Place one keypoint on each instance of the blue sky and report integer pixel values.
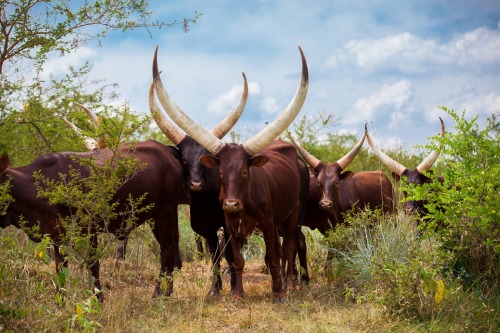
(388, 63)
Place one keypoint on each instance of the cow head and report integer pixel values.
(195, 172)
(415, 176)
(328, 175)
(234, 174)
(234, 160)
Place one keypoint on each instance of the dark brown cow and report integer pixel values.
(207, 216)
(261, 184)
(343, 191)
(161, 180)
(314, 218)
(414, 176)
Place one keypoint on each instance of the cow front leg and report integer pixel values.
(228, 251)
(215, 254)
(94, 267)
(238, 265)
(272, 258)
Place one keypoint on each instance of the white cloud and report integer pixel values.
(222, 104)
(57, 65)
(468, 100)
(394, 96)
(410, 54)
(269, 105)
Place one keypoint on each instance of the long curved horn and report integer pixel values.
(220, 130)
(429, 160)
(347, 159)
(271, 131)
(172, 132)
(89, 143)
(389, 162)
(227, 123)
(91, 114)
(101, 141)
(197, 132)
(310, 159)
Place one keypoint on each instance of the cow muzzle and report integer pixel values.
(232, 205)
(325, 204)
(195, 186)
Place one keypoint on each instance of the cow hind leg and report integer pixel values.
(301, 249)
(166, 231)
(122, 249)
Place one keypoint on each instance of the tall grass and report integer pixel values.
(385, 259)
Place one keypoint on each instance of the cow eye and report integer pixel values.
(221, 174)
(244, 173)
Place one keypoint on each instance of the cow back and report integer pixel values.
(371, 189)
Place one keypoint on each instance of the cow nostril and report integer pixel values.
(195, 186)
(232, 205)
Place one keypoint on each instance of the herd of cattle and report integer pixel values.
(264, 184)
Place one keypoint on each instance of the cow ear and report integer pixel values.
(346, 174)
(4, 162)
(259, 160)
(395, 176)
(209, 161)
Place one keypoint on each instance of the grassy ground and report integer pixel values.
(29, 302)
(129, 307)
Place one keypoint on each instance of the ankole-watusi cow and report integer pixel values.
(260, 183)
(414, 176)
(160, 181)
(91, 144)
(207, 216)
(341, 191)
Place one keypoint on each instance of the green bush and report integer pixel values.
(464, 210)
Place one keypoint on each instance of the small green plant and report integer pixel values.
(81, 320)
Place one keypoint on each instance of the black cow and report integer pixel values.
(414, 176)
(207, 216)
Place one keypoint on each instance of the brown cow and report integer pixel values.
(343, 191)
(414, 176)
(207, 216)
(161, 180)
(261, 183)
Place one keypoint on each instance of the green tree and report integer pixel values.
(30, 29)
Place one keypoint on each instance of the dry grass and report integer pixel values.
(129, 307)
(315, 308)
